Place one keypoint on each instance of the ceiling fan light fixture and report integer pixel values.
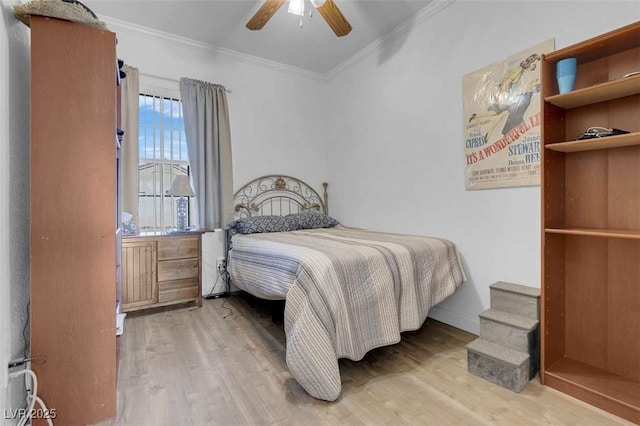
(326, 8)
(296, 7)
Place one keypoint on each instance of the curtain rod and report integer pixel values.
(146, 74)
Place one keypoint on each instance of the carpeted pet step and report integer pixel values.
(513, 332)
(516, 298)
(497, 364)
(507, 329)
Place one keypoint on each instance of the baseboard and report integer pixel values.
(471, 325)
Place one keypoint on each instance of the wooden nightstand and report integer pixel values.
(160, 270)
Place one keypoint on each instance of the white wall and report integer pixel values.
(14, 196)
(396, 151)
(276, 114)
(5, 328)
(213, 244)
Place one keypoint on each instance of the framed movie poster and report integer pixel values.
(502, 121)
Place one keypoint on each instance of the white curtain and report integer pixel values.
(130, 89)
(206, 121)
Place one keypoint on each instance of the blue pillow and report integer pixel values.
(312, 219)
(259, 224)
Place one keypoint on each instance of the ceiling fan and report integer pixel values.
(326, 8)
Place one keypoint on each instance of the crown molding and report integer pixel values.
(119, 26)
(401, 29)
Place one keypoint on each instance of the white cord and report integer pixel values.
(32, 404)
(44, 409)
(32, 398)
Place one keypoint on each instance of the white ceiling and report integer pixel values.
(221, 23)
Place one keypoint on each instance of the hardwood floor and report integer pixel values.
(224, 364)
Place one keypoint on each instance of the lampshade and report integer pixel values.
(181, 187)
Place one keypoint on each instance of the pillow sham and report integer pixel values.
(259, 224)
(312, 219)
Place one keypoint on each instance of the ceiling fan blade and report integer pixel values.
(334, 18)
(268, 9)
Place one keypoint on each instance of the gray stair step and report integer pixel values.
(511, 331)
(499, 365)
(516, 298)
(516, 288)
(498, 352)
(509, 318)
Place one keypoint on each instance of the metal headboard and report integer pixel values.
(278, 195)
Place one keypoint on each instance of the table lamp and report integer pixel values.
(181, 187)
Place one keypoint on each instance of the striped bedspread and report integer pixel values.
(347, 290)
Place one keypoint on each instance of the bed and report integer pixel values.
(347, 290)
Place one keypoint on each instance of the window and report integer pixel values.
(162, 155)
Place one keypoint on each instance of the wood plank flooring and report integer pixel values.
(224, 364)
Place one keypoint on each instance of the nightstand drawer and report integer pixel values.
(178, 248)
(178, 290)
(170, 270)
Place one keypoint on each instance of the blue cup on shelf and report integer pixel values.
(566, 74)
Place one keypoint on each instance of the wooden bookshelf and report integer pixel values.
(591, 226)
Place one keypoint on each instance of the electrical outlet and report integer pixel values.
(4, 374)
(221, 264)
